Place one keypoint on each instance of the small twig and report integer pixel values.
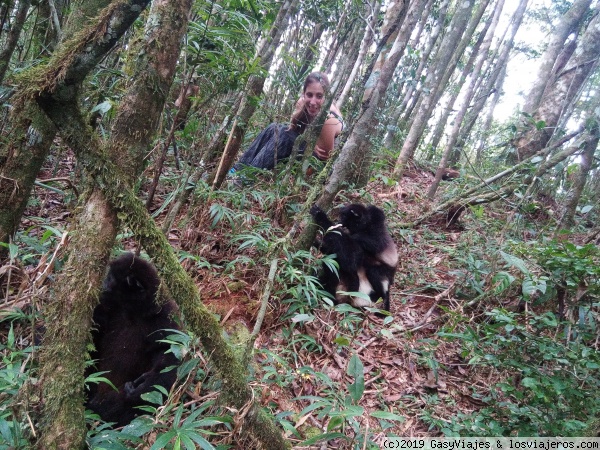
(437, 299)
(227, 316)
(265, 299)
(366, 434)
(366, 344)
(372, 380)
(40, 279)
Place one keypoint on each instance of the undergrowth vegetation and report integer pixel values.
(489, 334)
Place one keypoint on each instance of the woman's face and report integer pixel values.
(314, 96)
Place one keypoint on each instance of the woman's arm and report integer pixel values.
(331, 128)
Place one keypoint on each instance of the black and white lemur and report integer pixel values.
(129, 324)
(365, 252)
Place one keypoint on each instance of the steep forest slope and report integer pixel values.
(474, 344)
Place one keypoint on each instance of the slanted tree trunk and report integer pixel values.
(482, 53)
(489, 115)
(559, 95)
(364, 46)
(97, 228)
(358, 142)
(447, 56)
(13, 36)
(184, 104)
(590, 146)
(253, 89)
(22, 157)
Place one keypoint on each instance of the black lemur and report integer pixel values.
(129, 324)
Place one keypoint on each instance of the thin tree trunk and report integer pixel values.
(13, 37)
(311, 49)
(467, 69)
(215, 143)
(585, 166)
(346, 55)
(394, 17)
(489, 115)
(359, 140)
(364, 46)
(496, 80)
(184, 103)
(446, 59)
(481, 50)
(337, 40)
(558, 97)
(569, 23)
(253, 88)
(409, 95)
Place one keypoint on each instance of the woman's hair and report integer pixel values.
(318, 77)
(301, 119)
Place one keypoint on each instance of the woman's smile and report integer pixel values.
(314, 95)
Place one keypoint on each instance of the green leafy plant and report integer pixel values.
(551, 385)
(15, 358)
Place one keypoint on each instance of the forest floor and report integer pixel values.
(408, 369)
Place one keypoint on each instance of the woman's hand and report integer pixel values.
(299, 107)
(331, 128)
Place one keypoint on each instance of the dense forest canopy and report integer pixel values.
(473, 124)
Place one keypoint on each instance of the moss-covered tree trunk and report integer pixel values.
(20, 162)
(68, 321)
(235, 390)
(68, 315)
(32, 133)
(59, 100)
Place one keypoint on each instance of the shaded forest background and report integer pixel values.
(120, 122)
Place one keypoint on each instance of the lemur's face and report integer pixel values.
(353, 217)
